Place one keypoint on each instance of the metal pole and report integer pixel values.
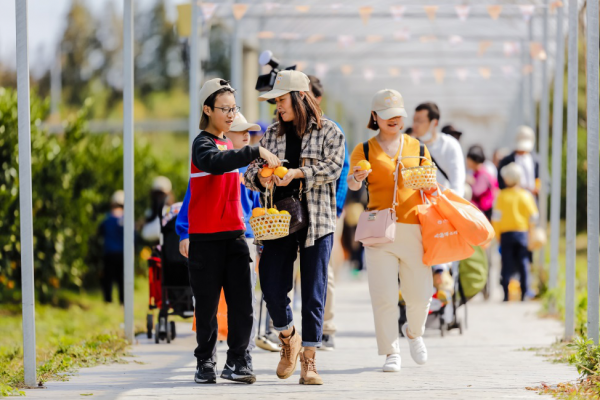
(128, 165)
(543, 134)
(531, 99)
(557, 138)
(593, 193)
(25, 202)
(572, 93)
(56, 83)
(236, 65)
(194, 118)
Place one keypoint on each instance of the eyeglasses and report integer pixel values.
(226, 110)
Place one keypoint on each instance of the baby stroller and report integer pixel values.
(169, 282)
(470, 277)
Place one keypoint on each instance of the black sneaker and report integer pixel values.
(327, 344)
(248, 358)
(238, 371)
(206, 372)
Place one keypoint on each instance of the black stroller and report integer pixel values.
(169, 281)
(470, 277)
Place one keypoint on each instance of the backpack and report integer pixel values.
(473, 273)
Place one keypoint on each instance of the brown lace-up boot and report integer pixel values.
(309, 374)
(290, 348)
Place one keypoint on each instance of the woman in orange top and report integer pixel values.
(402, 258)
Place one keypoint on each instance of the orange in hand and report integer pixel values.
(364, 165)
(266, 172)
(281, 171)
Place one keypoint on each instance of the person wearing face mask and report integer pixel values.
(314, 149)
(402, 258)
(445, 150)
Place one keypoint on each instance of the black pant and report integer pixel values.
(214, 265)
(515, 258)
(112, 272)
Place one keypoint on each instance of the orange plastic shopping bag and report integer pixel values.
(221, 319)
(468, 220)
(441, 241)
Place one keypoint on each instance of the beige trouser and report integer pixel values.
(385, 262)
(335, 262)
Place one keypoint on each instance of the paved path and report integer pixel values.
(487, 362)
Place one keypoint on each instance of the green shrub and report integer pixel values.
(73, 177)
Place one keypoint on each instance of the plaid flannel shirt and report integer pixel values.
(323, 156)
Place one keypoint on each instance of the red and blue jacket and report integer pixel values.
(215, 209)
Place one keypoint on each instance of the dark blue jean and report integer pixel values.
(515, 259)
(276, 270)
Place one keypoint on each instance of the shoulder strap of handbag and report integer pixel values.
(422, 154)
(366, 151)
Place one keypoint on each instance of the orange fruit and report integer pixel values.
(364, 165)
(273, 211)
(266, 172)
(281, 171)
(283, 212)
(257, 212)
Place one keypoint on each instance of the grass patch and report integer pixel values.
(86, 333)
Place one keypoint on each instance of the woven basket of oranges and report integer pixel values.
(270, 223)
(420, 177)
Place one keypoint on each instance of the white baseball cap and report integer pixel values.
(285, 82)
(525, 139)
(388, 103)
(118, 198)
(212, 86)
(162, 184)
(240, 124)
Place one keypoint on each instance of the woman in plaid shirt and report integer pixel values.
(314, 149)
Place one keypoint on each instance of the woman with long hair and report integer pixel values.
(313, 148)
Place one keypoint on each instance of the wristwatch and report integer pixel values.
(353, 177)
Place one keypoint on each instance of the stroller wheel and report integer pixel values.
(173, 332)
(168, 334)
(149, 326)
(156, 338)
(460, 327)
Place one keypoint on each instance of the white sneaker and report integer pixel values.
(392, 363)
(418, 351)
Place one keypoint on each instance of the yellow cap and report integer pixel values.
(388, 103)
(285, 82)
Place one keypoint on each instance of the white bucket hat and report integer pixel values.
(511, 174)
(525, 139)
(388, 103)
(285, 82)
(240, 124)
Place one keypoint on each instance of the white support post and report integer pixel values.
(557, 136)
(128, 169)
(25, 195)
(237, 56)
(593, 191)
(194, 117)
(572, 93)
(543, 135)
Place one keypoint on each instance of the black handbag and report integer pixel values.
(297, 209)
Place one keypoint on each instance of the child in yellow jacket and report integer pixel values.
(513, 216)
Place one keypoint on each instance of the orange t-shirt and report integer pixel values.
(381, 179)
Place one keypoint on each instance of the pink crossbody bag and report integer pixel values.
(378, 226)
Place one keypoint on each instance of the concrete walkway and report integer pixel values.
(487, 362)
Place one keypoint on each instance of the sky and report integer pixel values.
(47, 20)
